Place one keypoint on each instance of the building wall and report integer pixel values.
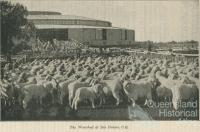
(130, 35)
(114, 34)
(76, 33)
(114, 37)
(123, 34)
(98, 35)
(49, 34)
(90, 35)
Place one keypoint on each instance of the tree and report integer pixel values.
(149, 45)
(13, 17)
(28, 31)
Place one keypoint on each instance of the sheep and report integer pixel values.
(7, 67)
(164, 93)
(73, 86)
(172, 71)
(61, 67)
(39, 91)
(32, 80)
(15, 88)
(169, 83)
(164, 71)
(173, 76)
(102, 75)
(148, 70)
(85, 73)
(114, 75)
(184, 92)
(70, 71)
(89, 80)
(141, 88)
(107, 70)
(34, 69)
(64, 89)
(3, 86)
(87, 93)
(188, 91)
(53, 85)
(179, 89)
(59, 76)
(33, 91)
(155, 69)
(116, 87)
(191, 80)
(22, 78)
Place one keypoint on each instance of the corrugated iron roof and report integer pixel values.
(69, 17)
(72, 26)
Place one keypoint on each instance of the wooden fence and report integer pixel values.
(172, 57)
(76, 53)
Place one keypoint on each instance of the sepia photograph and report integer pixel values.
(101, 60)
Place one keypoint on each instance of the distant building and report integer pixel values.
(53, 25)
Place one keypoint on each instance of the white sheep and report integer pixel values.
(184, 92)
(64, 89)
(86, 93)
(34, 91)
(116, 87)
(72, 87)
(141, 88)
(179, 89)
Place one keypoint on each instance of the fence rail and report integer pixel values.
(172, 57)
(189, 58)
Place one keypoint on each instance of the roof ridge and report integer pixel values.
(41, 16)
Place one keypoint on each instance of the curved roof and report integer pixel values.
(72, 26)
(69, 17)
(66, 20)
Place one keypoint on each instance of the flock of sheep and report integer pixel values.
(100, 81)
(56, 45)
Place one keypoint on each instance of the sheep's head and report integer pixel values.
(94, 82)
(98, 88)
(32, 80)
(127, 85)
(154, 81)
(82, 79)
(158, 74)
(88, 80)
(124, 77)
(186, 80)
(48, 78)
(173, 76)
(76, 77)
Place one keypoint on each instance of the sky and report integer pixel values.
(158, 20)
